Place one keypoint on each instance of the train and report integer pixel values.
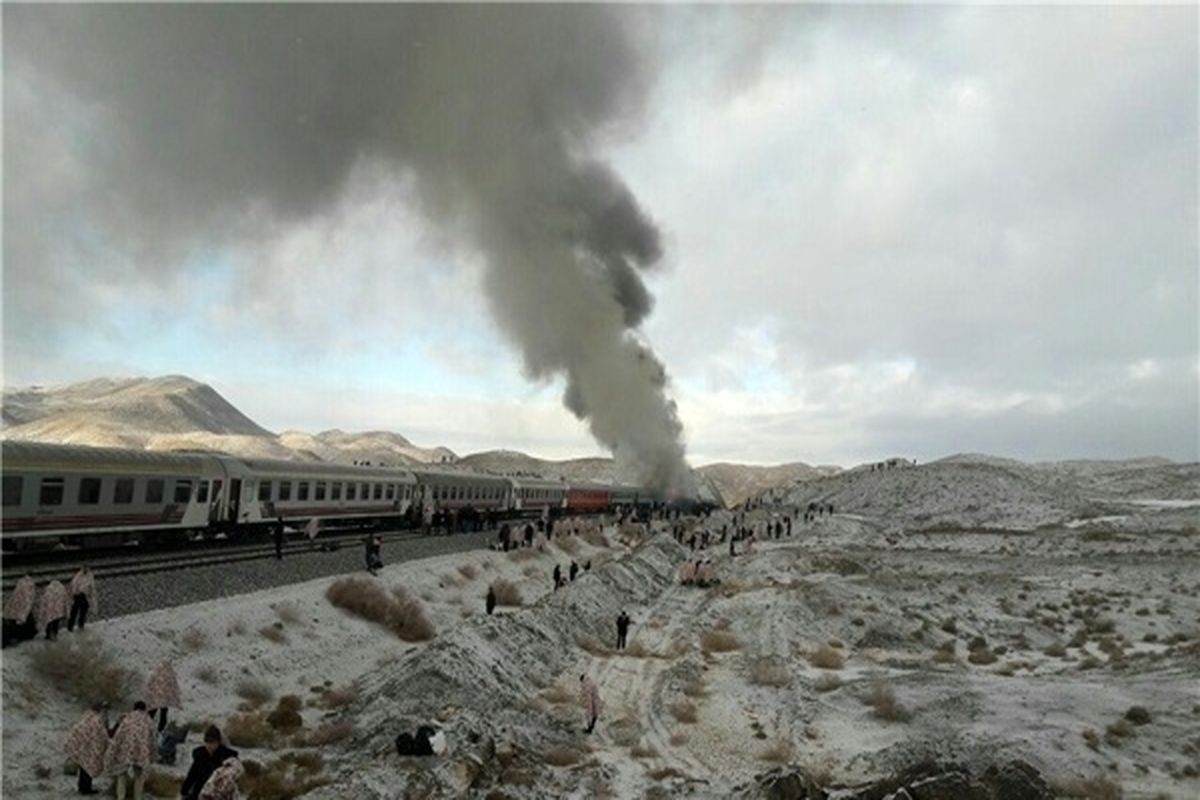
(77, 495)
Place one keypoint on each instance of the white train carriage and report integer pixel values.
(260, 491)
(443, 489)
(532, 495)
(54, 491)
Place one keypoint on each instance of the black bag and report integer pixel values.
(404, 744)
(421, 745)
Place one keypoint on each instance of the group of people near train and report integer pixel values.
(26, 613)
(125, 751)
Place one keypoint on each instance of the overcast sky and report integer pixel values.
(883, 231)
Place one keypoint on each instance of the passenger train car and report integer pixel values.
(97, 495)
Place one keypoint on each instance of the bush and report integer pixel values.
(1138, 715)
(769, 671)
(592, 645)
(291, 775)
(256, 693)
(507, 594)
(982, 656)
(1097, 788)
(827, 658)
(62, 663)
(883, 700)
(827, 682)
(324, 735)
(568, 545)
(397, 611)
(594, 537)
(718, 641)
(468, 571)
(337, 698)
(684, 712)
(194, 640)
(644, 751)
(248, 730)
(286, 716)
(274, 633)
(780, 752)
(162, 784)
(562, 756)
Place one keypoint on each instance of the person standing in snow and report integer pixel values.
(83, 597)
(528, 535)
(131, 751)
(557, 576)
(279, 539)
(19, 622)
(374, 549)
(622, 629)
(86, 745)
(491, 600)
(574, 570)
(162, 692)
(589, 698)
(52, 609)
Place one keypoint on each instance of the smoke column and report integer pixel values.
(201, 124)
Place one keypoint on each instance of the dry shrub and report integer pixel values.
(1056, 650)
(60, 663)
(337, 698)
(591, 644)
(532, 571)
(718, 641)
(324, 735)
(769, 671)
(827, 682)
(644, 750)
(1098, 788)
(237, 628)
(274, 633)
(255, 692)
(883, 700)
(248, 730)
(567, 544)
(286, 716)
(695, 689)
(291, 775)
(398, 611)
(945, 654)
(162, 784)
(780, 752)
(523, 554)
(289, 614)
(679, 739)
(194, 640)
(982, 655)
(562, 756)
(684, 712)
(557, 694)
(208, 674)
(468, 571)
(625, 732)
(507, 594)
(827, 658)
(595, 538)
(664, 773)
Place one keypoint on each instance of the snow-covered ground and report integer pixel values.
(993, 643)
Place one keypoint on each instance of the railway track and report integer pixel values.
(125, 562)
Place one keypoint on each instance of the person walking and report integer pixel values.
(491, 600)
(162, 692)
(52, 609)
(86, 745)
(622, 629)
(557, 576)
(279, 539)
(131, 751)
(19, 622)
(589, 697)
(83, 597)
(206, 759)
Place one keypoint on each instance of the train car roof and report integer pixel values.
(458, 474)
(42, 454)
(357, 471)
(539, 483)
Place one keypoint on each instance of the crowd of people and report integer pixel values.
(26, 614)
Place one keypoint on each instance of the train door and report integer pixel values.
(235, 498)
(214, 507)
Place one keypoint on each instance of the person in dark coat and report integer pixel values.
(528, 535)
(574, 570)
(491, 601)
(279, 539)
(205, 760)
(622, 629)
(374, 547)
(557, 576)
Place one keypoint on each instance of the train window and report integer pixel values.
(264, 491)
(285, 490)
(89, 491)
(335, 491)
(51, 493)
(351, 488)
(183, 491)
(154, 491)
(13, 485)
(391, 491)
(202, 492)
(302, 490)
(319, 491)
(379, 491)
(364, 491)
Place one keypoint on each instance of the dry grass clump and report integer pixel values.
(591, 644)
(685, 712)
(162, 784)
(827, 658)
(695, 689)
(255, 692)
(827, 682)
(769, 671)
(557, 694)
(567, 544)
(337, 698)
(468, 571)
(103, 680)
(1097, 788)
(644, 750)
(194, 640)
(324, 735)
(718, 641)
(595, 537)
(288, 613)
(625, 732)
(237, 628)
(679, 739)
(981, 655)
(1056, 650)
(664, 773)
(250, 729)
(780, 751)
(291, 775)
(274, 633)
(507, 594)
(286, 716)
(562, 756)
(208, 674)
(398, 611)
(523, 554)
(945, 653)
(883, 700)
